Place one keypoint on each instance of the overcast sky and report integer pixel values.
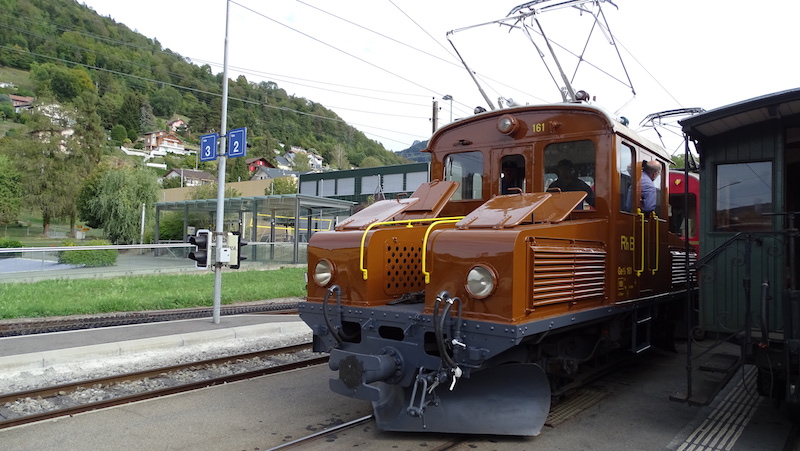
(379, 64)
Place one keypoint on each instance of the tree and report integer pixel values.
(282, 185)
(339, 157)
(10, 191)
(209, 191)
(118, 133)
(64, 83)
(46, 177)
(128, 115)
(171, 182)
(165, 101)
(136, 114)
(237, 170)
(114, 201)
(301, 162)
(370, 162)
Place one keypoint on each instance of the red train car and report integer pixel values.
(684, 205)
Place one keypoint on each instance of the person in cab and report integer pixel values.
(569, 181)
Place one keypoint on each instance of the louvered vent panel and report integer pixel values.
(403, 267)
(566, 275)
(679, 266)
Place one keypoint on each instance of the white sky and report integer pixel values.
(678, 53)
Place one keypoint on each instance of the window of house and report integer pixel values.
(743, 192)
(467, 169)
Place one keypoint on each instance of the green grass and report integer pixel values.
(29, 230)
(20, 78)
(65, 297)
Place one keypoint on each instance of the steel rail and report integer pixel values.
(157, 372)
(338, 428)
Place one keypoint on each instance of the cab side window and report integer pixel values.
(467, 169)
(626, 178)
(651, 183)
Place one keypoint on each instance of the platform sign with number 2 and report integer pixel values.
(237, 142)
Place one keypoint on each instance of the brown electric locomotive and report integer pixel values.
(535, 256)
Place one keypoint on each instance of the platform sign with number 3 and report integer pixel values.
(208, 147)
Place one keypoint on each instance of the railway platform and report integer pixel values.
(42, 350)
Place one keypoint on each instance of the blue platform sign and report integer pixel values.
(208, 147)
(237, 142)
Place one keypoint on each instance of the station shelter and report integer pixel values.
(276, 227)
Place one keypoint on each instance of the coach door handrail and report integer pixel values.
(654, 270)
(640, 215)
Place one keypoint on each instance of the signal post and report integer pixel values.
(227, 244)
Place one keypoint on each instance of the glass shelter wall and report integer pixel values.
(276, 227)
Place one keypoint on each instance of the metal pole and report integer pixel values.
(451, 109)
(435, 116)
(689, 276)
(221, 175)
(450, 98)
(141, 231)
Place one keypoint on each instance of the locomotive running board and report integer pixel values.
(511, 399)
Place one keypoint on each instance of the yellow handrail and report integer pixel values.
(408, 224)
(425, 244)
(640, 214)
(655, 218)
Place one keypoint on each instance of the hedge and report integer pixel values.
(90, 258)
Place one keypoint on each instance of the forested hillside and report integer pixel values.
(110, 85)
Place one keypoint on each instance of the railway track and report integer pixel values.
(64, 389)
(28, 326)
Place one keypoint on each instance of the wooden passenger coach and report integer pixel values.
(750, 192)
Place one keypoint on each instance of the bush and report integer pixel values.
(91, 258)
(9, 243)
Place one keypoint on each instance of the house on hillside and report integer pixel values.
(190, 177)
(176, 125)
(254, 163)
(63, 118)
(283, 163)
(263, 173)
(21, 102)
(314, 161)
(162, 142)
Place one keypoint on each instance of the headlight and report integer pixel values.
(507, 124)
(480, 282)
(323, 273)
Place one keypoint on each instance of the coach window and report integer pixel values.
(625, 166)
(569, 166)
(467, 169)
(743, 193)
